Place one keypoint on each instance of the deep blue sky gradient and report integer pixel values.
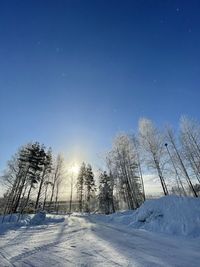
(74, 73)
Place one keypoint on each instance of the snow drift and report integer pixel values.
(170, 214)
(40, 218)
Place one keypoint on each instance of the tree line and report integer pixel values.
(172, 157)
(32, 170)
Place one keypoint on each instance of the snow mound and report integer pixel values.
(14, 219)
(38, 218)
(50, 218)
(172, 215)
(43, 218)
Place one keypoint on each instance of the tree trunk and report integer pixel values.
(183, 167)
(39, 191)
(27, 199)
(164, 187)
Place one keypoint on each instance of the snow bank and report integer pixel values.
(13, 218)
(40, 218)
(170, 214)
(121, 217)
(12, 223)
(43, 218)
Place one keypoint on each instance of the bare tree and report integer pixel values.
(9, 176)
(152, 143)
(138, 156)
(124, 167)
(178, 155)
(57, 187)
(46, 185)
(190, 141)
(56, 179)
(11, 180)
(179, 184)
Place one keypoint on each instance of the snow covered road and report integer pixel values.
(85, 241)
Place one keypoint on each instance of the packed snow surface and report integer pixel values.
(120, 239)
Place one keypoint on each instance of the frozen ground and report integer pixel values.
(163, 232)
(90, 241)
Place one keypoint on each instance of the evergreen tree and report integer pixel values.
(35, 162)
(80, 185)
(89, 187)
(105, 197)
(47, 169)
(28, 168)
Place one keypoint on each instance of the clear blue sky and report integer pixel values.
(74, 73)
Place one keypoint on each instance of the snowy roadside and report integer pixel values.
(148, 237)
(11, 222)
(171, 215)
(86, 241)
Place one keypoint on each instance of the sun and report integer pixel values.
(74, 168)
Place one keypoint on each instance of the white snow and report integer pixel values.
(40, 218)
(170, 214)
(99, 240)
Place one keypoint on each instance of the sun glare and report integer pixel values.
(74, 168)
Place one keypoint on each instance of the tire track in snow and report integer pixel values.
(44, 247)
(6, 262)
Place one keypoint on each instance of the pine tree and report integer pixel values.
(89, 187)
(105, 197)
(35, 162)
(80, 185)
(47, 169)
(28, 167)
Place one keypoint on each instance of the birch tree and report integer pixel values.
(57, 176)
(152, 143)
(125, 169)
(180, 160)
(190, 141)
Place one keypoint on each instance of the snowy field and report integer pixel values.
(147, 237)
